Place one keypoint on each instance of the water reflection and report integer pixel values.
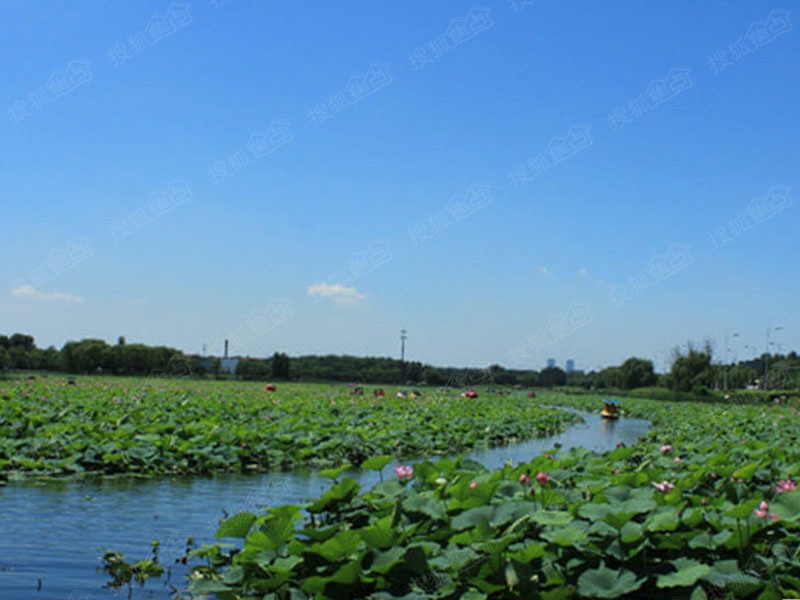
(54, 532)
(608, 428)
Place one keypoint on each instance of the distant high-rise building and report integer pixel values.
(551, 362)
(570, 365)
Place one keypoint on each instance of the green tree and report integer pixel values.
(637, 373)
(608, 378)
(692, 370)
(552, 376)
(280, 366)
(26, 342)
(740, 376)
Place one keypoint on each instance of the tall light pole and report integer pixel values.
(766, 356)
(727, 351)
(403, 338)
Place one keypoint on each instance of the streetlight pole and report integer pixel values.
(766, 356)
(403, 338)
(727, 352)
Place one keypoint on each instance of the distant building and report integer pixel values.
(228, 365)
(570, 365)
(551, 362)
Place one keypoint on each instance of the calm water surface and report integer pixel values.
(51, 536)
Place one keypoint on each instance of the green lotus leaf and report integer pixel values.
(608, 583)
(688, 572)
(236, 526)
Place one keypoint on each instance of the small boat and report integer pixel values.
(610, 409)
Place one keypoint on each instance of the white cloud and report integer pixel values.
(544, 271)
(336, 292)
(27, 291)
(583, 272)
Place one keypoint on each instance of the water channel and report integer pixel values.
(52, 535)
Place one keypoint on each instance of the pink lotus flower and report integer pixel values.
(524, 479)
(473, 485)
(665, 448)
(664, 486)
(786, 485)
(404, 471)
(678, 459)
(542, 478)
(762, 511)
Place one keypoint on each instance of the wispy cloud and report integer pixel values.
(583, 272)
(544, 271)
(338, 293)
(27, 291)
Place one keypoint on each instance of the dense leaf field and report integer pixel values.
(150, 427)
(705, 506)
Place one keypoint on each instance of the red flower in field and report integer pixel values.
(786, 485)
(665, 448)
(404, 471)
(524, 479)
(473, 485)
(542, 478)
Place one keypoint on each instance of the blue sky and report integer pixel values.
(508, 181)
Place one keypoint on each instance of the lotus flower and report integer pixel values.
(524, 479)
(404, 471)
(542, 478)
(678, 459)
(664, 486)
(665, 448)
(762, 511)
(473, 485)
(786, 485)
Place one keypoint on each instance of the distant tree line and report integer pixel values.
(693, 369)
(19, 352)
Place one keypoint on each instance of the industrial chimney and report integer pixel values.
(226, 349)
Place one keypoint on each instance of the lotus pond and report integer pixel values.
(704, 506)
(55, 528)
(159, 427)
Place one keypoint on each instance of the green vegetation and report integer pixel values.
(693, 370)
(162, 426)
(705, 506)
